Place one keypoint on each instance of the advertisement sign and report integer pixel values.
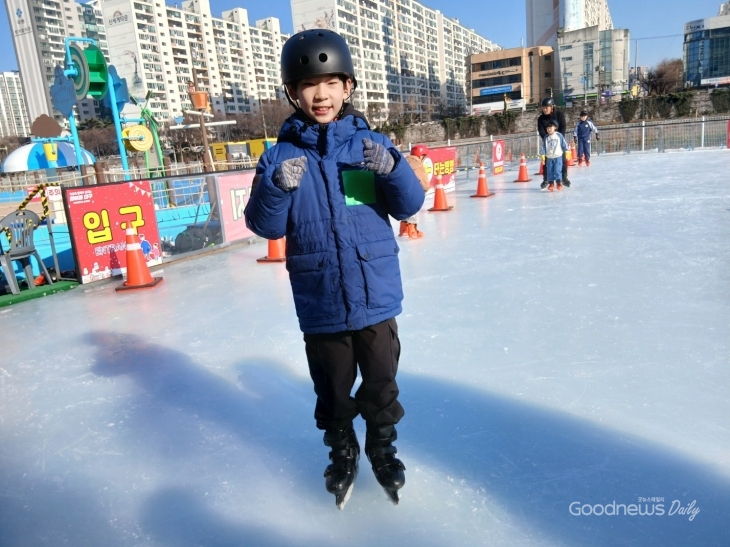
(497, 157)
(485, 109)
(495, 90)
(441, 161)
(98, 217)
(234, 190)
(716, 81)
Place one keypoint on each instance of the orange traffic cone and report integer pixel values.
(523, 176)
(277, 251)
(508, 157)
(439, 197)
(569, 155)
(482, 186)
(138, 273)
(542, 169)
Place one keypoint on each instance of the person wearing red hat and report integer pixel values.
(419, 152)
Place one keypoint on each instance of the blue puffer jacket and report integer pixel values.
(341, 253)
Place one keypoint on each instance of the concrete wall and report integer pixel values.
(527, 121)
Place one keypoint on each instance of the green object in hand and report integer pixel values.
(359, 187)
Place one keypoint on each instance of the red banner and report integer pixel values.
(234, 189)
(497, 157)
(98, 217)
(441, 161)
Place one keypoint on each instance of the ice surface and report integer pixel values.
(557, 348)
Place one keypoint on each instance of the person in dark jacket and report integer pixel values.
(549, 112)
(328, 185)
(582, 137)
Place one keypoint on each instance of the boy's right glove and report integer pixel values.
(289, 174)
(542, 158)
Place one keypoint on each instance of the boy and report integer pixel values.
(551, 114)
(553, 149)
(582, 138)
(419, 152)
(329, 185)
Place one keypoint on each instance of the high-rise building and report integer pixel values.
(39, 28)
(13, 114)
(408, 58)
(546, 17)
(157, 47)
(593, 63)
(707, 50)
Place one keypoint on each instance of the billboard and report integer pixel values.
(98, 217)
(234, 190)
(441, 161)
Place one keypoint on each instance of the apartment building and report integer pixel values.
(161, 48)
(545, 17)
(13, 113)
(521, 76)
(408, 58)
(594, 64)
(39, 28)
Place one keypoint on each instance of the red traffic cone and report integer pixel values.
(542, 169)
(277, 251)
(482, 186)
(439, 197)
(138, 273)
(523, 176)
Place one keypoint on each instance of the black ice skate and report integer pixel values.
(381, 453)
(340, 474)
(544, 185)
(566, 183)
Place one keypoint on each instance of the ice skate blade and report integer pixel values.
(342, 499)
(392, 495)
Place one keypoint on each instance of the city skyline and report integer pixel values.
(507, 30)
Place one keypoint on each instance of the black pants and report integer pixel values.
(333, 361)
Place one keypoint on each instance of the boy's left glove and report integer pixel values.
(377, 158)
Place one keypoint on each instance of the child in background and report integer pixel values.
(582, 138)
(329, 186)
(419, 152)
(554, 148)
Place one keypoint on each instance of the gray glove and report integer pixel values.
(289, 174)
(377, 158)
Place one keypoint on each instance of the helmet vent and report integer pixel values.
(304, 60)
(323, 57)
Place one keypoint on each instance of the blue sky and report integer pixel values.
(500, 21)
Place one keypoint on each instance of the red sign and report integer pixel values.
(441, 161)
(497, 157)
(98, 217)
(234, 190)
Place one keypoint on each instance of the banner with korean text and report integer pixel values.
(441, 161)
(234, 190)
(98, 217)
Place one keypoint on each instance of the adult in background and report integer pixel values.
(549, 114)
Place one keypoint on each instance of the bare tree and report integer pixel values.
(665, 78)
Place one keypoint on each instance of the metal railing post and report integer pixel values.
(643, 136)
(702, 141)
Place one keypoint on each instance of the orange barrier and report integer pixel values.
(542, 169)
(482, 186)
(276, 252)
(138, 273)
(522, 176)
(439, 197)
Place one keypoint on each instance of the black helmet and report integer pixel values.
(583, 113)
(551, 122)
(548, 102)
(315, 52)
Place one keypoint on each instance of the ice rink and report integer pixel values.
(565, 355)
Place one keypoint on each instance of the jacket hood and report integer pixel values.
(301, 130)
